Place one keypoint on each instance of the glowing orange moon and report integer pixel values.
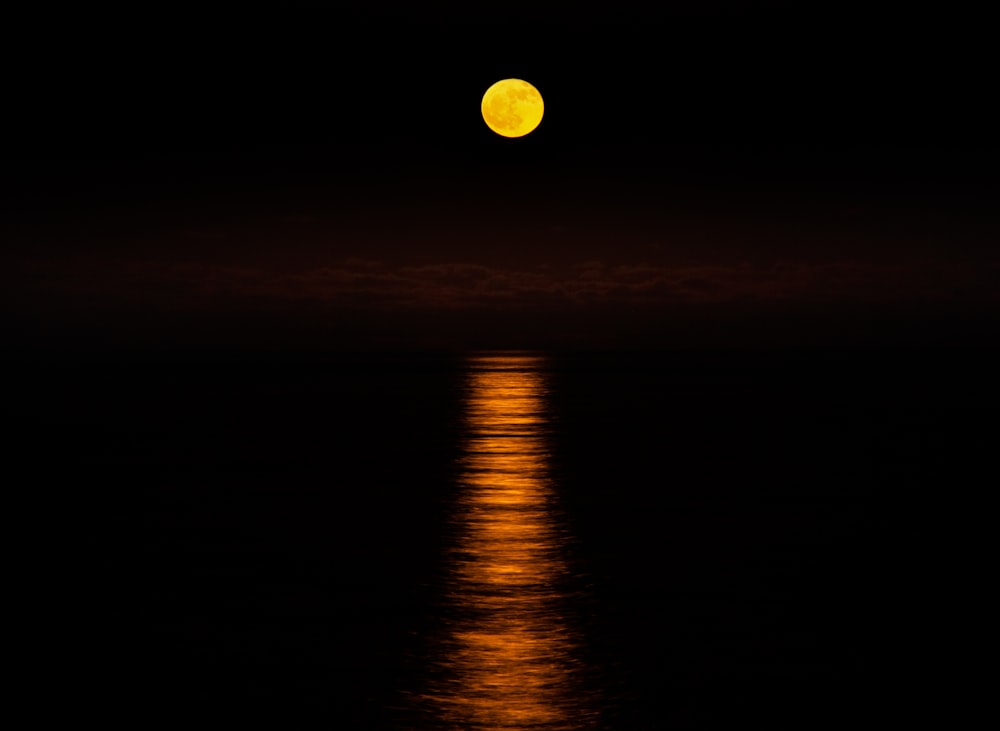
(512, 107)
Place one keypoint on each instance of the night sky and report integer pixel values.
(708, 177)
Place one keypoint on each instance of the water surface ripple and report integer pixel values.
(510, 653)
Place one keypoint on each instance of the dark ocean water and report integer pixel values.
(489, 540)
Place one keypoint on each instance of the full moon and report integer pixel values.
(512, 108)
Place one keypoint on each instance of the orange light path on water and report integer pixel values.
(509, 656)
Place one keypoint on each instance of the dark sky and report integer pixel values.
(713, 175)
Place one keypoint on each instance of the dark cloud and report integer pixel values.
(591, 303)
(361, 283)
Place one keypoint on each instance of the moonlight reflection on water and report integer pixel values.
(510, 654)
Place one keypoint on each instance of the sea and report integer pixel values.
(486, 539)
